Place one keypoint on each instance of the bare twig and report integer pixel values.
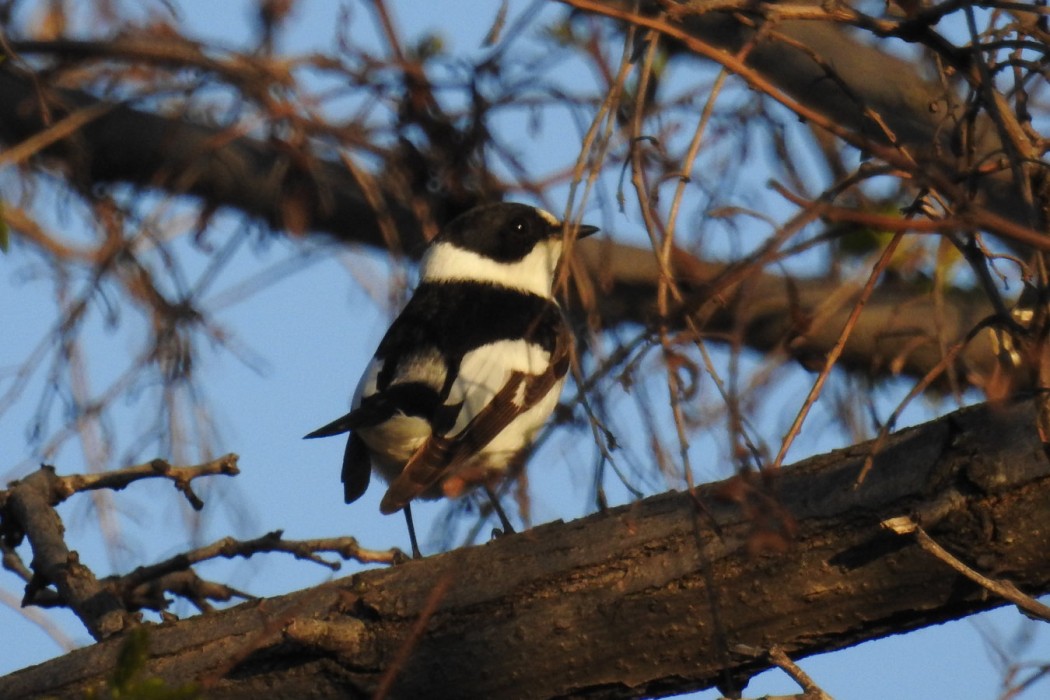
(50, 628)
(62, 129)
(812, 690)
(836, 350)
(904, 525)
(27, 510)
(228, 547)
(185, 584)
(889, 153)
(241, 69)
(116, 480)
(779, 658)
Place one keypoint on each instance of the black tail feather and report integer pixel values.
(357, 469)
(337, 427)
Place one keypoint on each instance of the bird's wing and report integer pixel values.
(440, 455)
(374, 407)
(413, 387)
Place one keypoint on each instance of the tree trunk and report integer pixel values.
(650, 598)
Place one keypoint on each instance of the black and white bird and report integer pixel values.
(470, 370)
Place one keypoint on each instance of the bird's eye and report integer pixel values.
(519, 226)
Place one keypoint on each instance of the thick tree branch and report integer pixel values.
(222, 168)
(901, 330)
(28, 509)
(650, 598)
(823, 66)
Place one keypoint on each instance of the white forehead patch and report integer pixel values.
(548, 217)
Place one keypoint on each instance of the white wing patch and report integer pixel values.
(521, 431)
(367, 386)
(485, 370)
(426, 367)
(396, 439)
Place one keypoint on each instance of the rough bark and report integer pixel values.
(650, 598)
(902, 330)
(30, 504)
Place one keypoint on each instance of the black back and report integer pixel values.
(457, 317)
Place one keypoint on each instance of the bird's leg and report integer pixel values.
(503, 520)
(416, 554)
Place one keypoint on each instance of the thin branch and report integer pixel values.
(28, 510)
(241, 69)
(882, 222)
(60, 130)
(944, 179)
(185, 584)
(49, 626)
(836, 350)
(228, 547)
(118, 479)
(781, 660)
(904, 525)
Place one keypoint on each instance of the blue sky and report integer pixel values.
(310, 334)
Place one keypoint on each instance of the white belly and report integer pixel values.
(482, 373)
(393, 442)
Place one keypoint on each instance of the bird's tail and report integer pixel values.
(337, 427)
(357, 468)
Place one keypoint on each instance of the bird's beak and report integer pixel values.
(582, 231)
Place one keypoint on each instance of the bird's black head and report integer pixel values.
(504, 232)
